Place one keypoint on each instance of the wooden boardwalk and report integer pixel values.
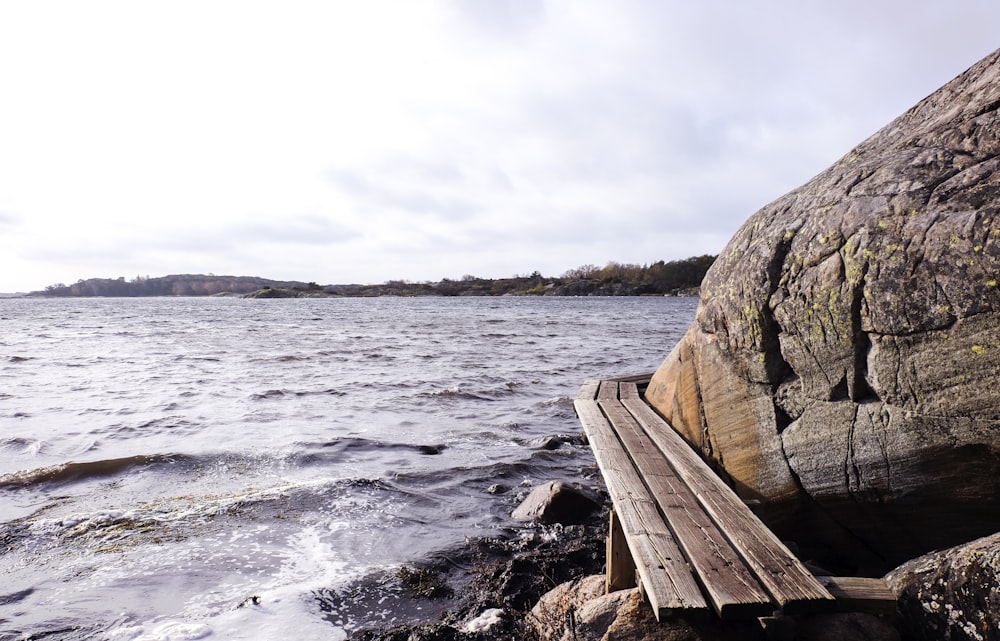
(680, 533)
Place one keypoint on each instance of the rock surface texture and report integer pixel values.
(580, 611)
(843, 365)
(952, 594)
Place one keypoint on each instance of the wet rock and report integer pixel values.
(425, 582)
(952, 594)
(557, 502)
(843, 362)
(498, 488)
(554, 441)
(523, 570)
(496, 581)
(431, 450)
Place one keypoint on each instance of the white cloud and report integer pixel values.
(360, 142)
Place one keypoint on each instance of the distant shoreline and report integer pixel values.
(674, 278)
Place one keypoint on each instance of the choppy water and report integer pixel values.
(163, 460)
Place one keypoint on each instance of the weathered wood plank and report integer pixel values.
(792, 586)
(728, 582)
(860, 594)
(588, 391)
(666, 579)
(640, 379)
(608, 390)
(627, 390)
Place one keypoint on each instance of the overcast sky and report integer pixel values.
(362, 141)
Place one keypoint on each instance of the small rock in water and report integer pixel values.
(250, 600)
(431, 450)
(498, 488)
(556, 502)
(552, 442)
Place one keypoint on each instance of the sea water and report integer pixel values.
(202, 468)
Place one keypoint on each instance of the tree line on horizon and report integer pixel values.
(613, 279)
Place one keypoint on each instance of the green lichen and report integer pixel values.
(991, 283)
(979, 350)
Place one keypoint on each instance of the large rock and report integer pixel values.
(843, 365)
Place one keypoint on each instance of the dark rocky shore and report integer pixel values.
(483, 592)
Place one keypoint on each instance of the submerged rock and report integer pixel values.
(842, 366)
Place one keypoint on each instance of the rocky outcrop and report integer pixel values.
(842, 367)
(952, 594)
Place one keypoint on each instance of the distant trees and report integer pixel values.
(584, 272)
(658, 278)
(614, 279)
(177, 285)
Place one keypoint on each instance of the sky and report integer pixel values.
(360, 142)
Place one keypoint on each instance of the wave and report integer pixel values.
(503, 389)
(69, 472)
(337, 448)
(282, 393)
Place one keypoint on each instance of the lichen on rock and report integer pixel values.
(952, 594)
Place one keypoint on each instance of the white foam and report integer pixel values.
(170, 631)
(283, 602)
(484, 621)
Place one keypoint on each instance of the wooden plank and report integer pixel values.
(607, 391)
(641, 379)
(621, 567)
(665, 577)
(627, 390)
(792, 586)
(729, 584)
(588, 391)
(860, 594)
